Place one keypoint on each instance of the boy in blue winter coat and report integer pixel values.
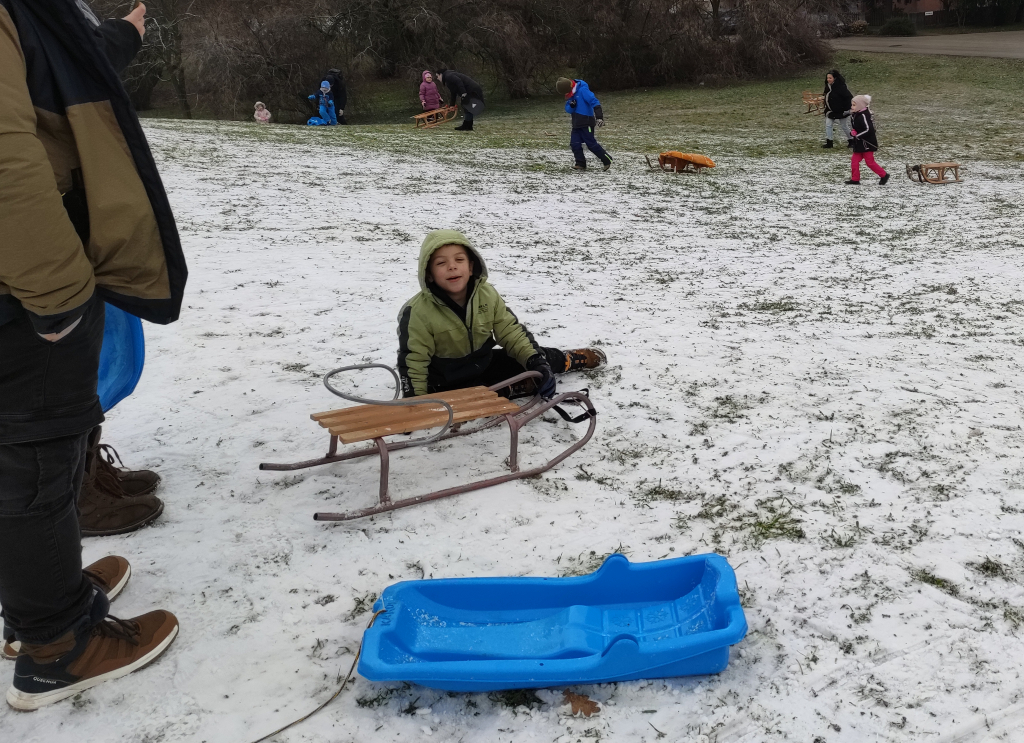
(327, 115)
(587, 115)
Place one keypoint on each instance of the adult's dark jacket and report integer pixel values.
(838, 97)
(461, 85)
(82, 207)
(339, 94)
(865, 138)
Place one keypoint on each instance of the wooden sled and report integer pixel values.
(815, 103)
(430, 119)
(934, 173)
(681, 162)
(448, 409)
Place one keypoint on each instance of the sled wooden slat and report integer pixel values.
(430, 119)
(366, 422)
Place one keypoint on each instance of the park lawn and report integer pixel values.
(928, 108)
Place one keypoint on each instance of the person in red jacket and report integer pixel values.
(430, 97)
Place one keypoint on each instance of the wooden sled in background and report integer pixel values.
(681, 162)
(815, 103)
(450, 410)
(430, 119)
(934, 173)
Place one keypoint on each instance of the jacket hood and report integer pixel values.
(424, 75)
(440, 238)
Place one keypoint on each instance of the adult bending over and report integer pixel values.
(464, 90)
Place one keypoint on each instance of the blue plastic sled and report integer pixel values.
(625, 621)
(121, 358)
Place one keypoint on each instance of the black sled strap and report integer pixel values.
(586, 414)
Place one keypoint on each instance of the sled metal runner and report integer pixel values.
(934, 173)
(430, 119)
(450, 409)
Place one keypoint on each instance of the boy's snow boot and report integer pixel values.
(44, 674)
(526, 388)
(607, 164)
(584, 358)
(109, 574)
(883, 180)
(104, 508)
(133, 482)
(827, 145)
(465, 126)
(577, 166)
(851, 182)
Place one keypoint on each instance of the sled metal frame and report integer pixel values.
(934, 173)
(430, 119)
(815, 103)
(677, 165)
(535, 407)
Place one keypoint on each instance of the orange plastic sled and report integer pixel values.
(681, 162)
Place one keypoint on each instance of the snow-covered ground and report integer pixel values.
(820, 382)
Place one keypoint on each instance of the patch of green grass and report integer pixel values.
(781, 525)
(946, 586)
(990, 568)
(784, 304)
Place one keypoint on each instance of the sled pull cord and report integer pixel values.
(341, 688)
(588, 412)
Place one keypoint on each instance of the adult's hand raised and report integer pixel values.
(138, 18)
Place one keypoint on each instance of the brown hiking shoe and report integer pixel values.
(584, 358)
(109, 574)
(44, 674)
(104, 508)
(133, 482)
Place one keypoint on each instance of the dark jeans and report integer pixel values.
(42, 590)
(501, 367)
(48, 405)
(585, 136)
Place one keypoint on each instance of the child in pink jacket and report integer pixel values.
(429, 95)
(262, 115)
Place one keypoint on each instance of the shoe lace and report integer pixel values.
(105, 477)
(107, 454)
(119, 629)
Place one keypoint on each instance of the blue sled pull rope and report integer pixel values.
(394, 400)
(341, 688)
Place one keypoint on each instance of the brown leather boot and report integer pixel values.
(104, 508)
(584, 358)
(109, 574)
(44, 674)
(133, 482)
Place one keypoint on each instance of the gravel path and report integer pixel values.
(1003, 44)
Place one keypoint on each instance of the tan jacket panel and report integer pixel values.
(124, 240)
(41, 258)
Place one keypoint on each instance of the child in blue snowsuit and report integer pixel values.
(327, 115)
(587, 115)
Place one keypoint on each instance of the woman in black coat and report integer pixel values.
(465, 89)
(837, 107)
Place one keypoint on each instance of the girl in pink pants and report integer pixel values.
(865, 142)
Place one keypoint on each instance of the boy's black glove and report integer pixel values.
(546, 385)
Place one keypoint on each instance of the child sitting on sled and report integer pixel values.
(448, 333)
(325, 103)
(587, 115)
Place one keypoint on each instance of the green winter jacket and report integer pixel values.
(439, 351)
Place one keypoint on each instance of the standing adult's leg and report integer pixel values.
(829, 125)
(42, 590)
(846, 126)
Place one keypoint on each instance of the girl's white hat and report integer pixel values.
(260, 103)
(861, 101)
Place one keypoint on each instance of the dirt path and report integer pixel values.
(1004, 44)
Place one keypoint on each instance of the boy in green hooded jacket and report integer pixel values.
(449, 331)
